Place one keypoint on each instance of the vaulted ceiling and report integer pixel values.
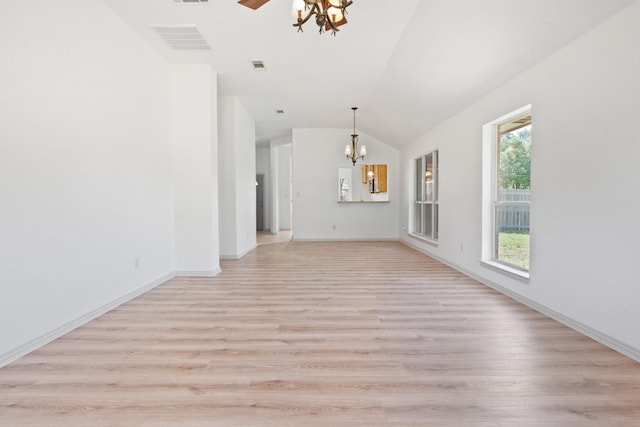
(408, 65)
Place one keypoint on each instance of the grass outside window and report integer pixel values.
(513, 248)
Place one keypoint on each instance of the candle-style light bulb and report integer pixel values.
(297, 8)
(335, 14)
(363, 151)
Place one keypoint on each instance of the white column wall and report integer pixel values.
(226, 165)
(284, 186)
(245, 173)
(237, 178)
(193, 109)
(275, 188)
(280, 183)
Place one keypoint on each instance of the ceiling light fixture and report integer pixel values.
(351, 150)
(330, 14)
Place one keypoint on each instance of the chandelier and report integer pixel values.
(330, 14)
(351, 150)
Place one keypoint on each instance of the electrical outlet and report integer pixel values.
(334, 227)
(136, 263)
(461, 247)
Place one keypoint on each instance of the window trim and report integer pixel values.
(489, 252)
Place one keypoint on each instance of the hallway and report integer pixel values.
(264, 237)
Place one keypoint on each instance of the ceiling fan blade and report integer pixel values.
(252, 4)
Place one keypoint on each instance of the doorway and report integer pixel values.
(260, 202)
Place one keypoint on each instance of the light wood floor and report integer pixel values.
(264, 237)
(323, 334)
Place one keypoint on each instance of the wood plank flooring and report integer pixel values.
(322, 334)
(265, 237)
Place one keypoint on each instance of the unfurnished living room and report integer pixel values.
(319, 213)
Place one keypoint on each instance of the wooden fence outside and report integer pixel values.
(514, 218)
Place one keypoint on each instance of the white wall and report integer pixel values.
(280, 179)
(317, 155)
(85, 166)
(585, 209)
(195, 146)
(284, 186)
(275, 191)
(237, 178)
(226, 166)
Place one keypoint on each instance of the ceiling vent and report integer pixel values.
(258, 65)
(182, 37)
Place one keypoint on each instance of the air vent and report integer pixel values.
(182, 37)
(190, 1)
(258, 65)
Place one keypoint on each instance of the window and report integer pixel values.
(425, 209)
(507, 179)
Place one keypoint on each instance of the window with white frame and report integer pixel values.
(507, 191)
(425, 207)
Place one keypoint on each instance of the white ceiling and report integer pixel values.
(408, 65)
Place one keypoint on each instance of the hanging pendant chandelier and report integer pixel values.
(351, 150)
(329, 14)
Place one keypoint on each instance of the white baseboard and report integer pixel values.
(46, 338)
(602, 338)
(209, 273)
(346, 239)
(240, 255)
